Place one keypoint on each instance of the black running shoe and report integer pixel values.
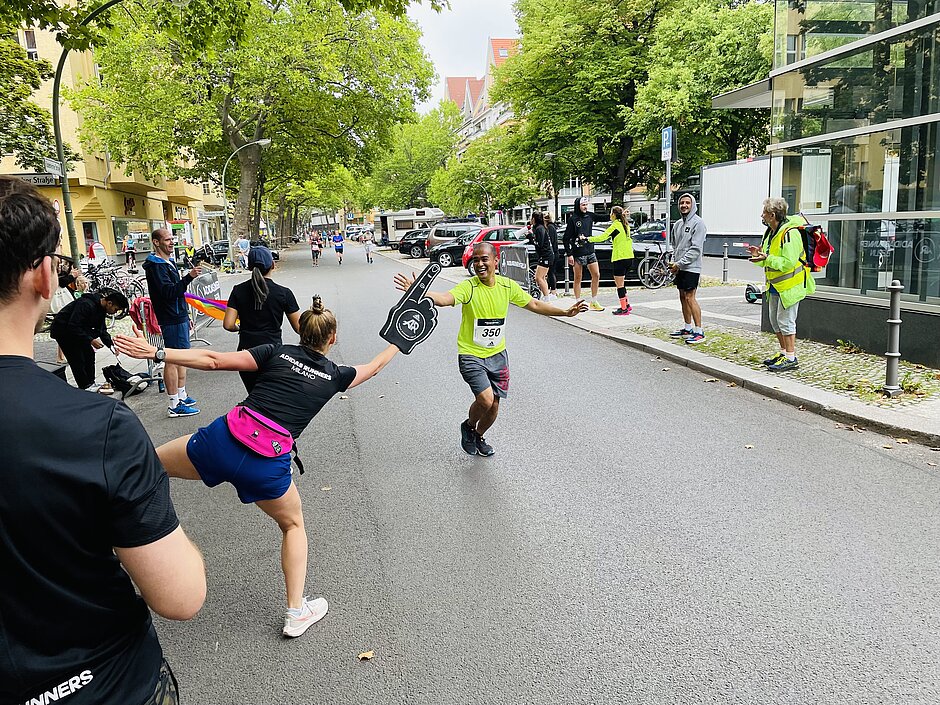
(468, 439)
(483, 448)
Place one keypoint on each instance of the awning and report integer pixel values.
(753, 95)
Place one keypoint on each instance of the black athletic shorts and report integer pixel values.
(620, 267)
(687, 281)
(546, 261)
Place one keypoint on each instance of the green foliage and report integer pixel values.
(493, 166)
(575, 82)
(699, 50)
(26, 129)
(325, 85)
(402, 175)
(848, 347)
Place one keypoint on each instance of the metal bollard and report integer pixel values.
(567, 278)
(724, 263)
(892, 388)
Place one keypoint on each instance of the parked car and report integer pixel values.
(414, 243)
(220, 249)
(603, 250)
(261, 243)
(651, 233)
(497, 236)
(447, 254)
(444, 232)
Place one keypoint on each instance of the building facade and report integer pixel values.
(109, 205)
(855, 120)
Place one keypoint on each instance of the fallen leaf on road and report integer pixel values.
(344, 396)
(901, 440)
(732, 384)
(801, 407)
(712, 379)
(665, 369)
(888, 446)
(381, 396)
(654, 359)
(326, 489)
(935, 449)
(366, 656)
(748, 447)
(933, 465)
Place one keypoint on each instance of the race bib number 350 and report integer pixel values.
(488, 332)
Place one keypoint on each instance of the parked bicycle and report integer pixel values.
(109, 275)
(653, 270)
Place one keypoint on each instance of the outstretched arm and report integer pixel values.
(371, 369)
(140, 349)
(546, 309)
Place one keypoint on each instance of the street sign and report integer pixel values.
(53, 166)
(667, 144)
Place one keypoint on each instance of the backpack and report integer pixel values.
(123, 381)
(816, 246)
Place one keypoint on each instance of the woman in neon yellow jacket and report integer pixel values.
(619, 231)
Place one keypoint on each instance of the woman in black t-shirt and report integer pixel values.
(294, 383)
(256, 308)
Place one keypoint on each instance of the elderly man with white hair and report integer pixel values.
(782, 256)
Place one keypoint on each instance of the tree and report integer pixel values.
(325, 85)
(575, 83)
(701, 49)
(26, 129)
(402, 175)
(489, 167)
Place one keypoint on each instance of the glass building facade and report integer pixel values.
(855, 121)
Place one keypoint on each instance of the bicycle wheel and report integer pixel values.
(650, 272)
(534, 290)
(134, 290)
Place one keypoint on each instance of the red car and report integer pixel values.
(497, 235)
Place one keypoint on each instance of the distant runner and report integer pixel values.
(338, 246)
(481, 343)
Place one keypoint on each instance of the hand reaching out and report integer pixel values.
(414, 318)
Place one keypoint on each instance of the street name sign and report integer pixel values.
(53, 166)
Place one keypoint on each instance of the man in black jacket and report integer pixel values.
(580, 250)
(168, 297)
(80, 329)
(85, 509)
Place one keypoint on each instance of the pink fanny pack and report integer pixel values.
(258, 433)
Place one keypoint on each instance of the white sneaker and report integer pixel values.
(552, 297)
(311, 612)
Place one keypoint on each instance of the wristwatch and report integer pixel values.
(159, 355)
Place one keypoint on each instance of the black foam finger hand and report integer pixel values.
(414, 318)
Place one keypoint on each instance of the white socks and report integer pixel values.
(173, 400)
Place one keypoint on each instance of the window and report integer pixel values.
(795, 52)
(30, 38)
(206, 189)
(504, 53)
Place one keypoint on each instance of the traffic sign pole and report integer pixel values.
(667, 149)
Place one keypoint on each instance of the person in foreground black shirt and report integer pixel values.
(85, 510)
(294, 383)
(256, 308)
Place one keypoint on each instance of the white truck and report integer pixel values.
(730, 204)
(391, 225)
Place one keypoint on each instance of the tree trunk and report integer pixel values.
(259, 196)
(249, 160)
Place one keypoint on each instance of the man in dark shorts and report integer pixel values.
(688, 236)
(481, 340)
(85, 509)
(168, 296)
(580, 249)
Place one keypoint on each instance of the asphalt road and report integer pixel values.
(625, 544)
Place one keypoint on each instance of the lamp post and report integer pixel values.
(485, 193)
(57, 130)
(264, 142)
(553, 156)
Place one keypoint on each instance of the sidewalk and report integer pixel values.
(836, 382)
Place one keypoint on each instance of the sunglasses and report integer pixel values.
(70, 261)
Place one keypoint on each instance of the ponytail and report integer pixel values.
(621, 215)
(317, 326)
(260, 286)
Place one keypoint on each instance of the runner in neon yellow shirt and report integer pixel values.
(481, 341)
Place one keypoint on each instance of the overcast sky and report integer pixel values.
(455, 39)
